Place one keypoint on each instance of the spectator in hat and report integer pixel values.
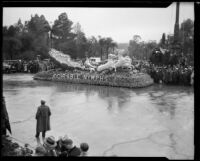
(84, 149)
(40, 151)
(72, 150)
(43, 119)
(49, 145)
(61, 146)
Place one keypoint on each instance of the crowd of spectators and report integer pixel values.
(27, 66)
(22, 66)
(63, 147)
(175, 75)
(179, 74)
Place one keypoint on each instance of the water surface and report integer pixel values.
(151, 121)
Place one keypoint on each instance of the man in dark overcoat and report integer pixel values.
(43, 119)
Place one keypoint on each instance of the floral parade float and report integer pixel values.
(117, 71)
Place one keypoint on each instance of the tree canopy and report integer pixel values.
(36, 37)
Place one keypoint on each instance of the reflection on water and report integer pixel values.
(127, 113)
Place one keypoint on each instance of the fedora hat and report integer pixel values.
(50, 142)
(42, 101)
(67, 141)
(40, 150)
(84, 146)
(64, 138)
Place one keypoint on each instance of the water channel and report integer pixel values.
(152, 121)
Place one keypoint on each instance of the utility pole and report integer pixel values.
(176, 46)
(176, 26)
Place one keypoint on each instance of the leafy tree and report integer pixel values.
(134, 46)
(187, 38)
(11, 47)
(38, 28)
(93, 48)
(101, 46)
(140, 49)
(62, 28)
(113, 45)
(12, 30)
(137, 38)
(109, 45)
(38, 25)
(27, 55)
(169, 40)
(11, 43)
(19, 27)
(81, 41)
(62, 34)
(68, 47)
(27, 42)
(5, 31)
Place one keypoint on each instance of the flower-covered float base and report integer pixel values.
(115, 79)
(116, 71)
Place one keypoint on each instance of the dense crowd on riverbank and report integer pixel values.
(174, 75)
(168, 74)
(179, 74)
(22, 66)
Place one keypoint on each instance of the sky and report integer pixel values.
(118, 23)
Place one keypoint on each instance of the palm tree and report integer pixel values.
(110, 44)
(113, 45)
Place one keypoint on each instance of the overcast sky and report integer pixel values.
(119, 23)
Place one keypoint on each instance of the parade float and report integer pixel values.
(116, 71)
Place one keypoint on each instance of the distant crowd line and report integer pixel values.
(179, 74)
(23, 66)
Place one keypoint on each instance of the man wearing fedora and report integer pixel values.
(61, 145)
(65, 147)
(43, 119)
(72, 150)
(49, 145)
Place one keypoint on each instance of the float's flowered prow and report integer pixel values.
(117, 71)
(64, 58)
